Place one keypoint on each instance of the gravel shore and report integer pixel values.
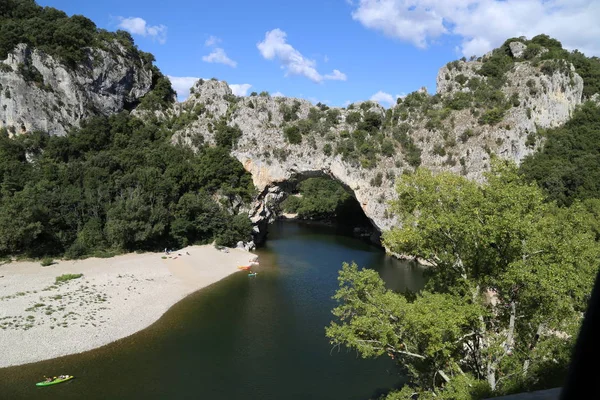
(114, 298)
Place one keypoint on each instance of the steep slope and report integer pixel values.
(496, 104)
(56, 71)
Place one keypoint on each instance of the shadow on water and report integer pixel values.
(250, 338)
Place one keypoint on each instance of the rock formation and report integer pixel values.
(448, 139)
(38, 92)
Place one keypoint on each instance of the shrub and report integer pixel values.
(327, 149)
(67, 277)
(353, 117)
(492, 117)
(439, 150)
(292, 134)
(377, 180)
(47, 261)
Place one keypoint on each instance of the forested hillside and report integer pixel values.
(115, 185)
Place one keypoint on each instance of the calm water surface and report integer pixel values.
(241, 338)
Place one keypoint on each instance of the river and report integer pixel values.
(241, 338)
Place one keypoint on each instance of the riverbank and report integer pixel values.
(114, 298)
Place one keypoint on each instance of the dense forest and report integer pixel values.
(116, 184)
(568, 165)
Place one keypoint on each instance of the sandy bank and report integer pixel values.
(114, 298)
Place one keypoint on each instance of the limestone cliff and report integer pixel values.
(38, 92)
(471, 117)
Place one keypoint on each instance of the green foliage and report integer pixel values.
(568, 167)
(353, 117)
(292, 134)
(161, 95)
(371, 122)
(377, 180)
(332, 116)
(412, 152)
(459, 101)
(492, 117)
(321, 198)
(115, 184)
(55, 33)
(227, 136)
(327, 149)
(47, 261)
(290, 113)
(66, 278)
(439, 150)
(497, 240)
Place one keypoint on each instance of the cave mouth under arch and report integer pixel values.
(349, 218)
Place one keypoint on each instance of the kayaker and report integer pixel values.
(46, 379)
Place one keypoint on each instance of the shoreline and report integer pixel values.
(115, 298)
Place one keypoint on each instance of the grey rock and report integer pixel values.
(105, 84)
(517, 49)
(272, 161)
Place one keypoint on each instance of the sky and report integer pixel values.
(332, 51)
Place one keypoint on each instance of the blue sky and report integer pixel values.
(333, 51)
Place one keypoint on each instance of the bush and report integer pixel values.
(327, 149)
(292, 134)
(67, 277)
(492, 117)
(47, 261)
(353, 118)
(377, 180)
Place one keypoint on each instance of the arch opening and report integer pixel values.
(316, 198)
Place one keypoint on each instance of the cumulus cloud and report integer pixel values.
(219, 56)
(275, 46)
(240, 89)
(383, 98)
(336, 75)
(277, 94)
(211, 41)
(182, 85)
(483, 24)
(138, 26)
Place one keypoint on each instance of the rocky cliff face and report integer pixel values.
(448, 135)
(37, 92)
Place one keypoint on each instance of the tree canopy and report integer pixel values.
(116, 184)
(568, 165)
(508, 281)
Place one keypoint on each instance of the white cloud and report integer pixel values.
(219, 56)
(277, 94)
(275, 46)
(383, 97)
(484, 24)
(336, 76)
(240, 89)
(138, 26)
(347, 103)
(182, 85)
(212, 40)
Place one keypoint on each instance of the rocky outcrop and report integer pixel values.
(38, 92)
(517, 49)
(458, 142)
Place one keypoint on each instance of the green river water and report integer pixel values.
(241, 338)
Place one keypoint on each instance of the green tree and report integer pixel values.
(509, 279)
